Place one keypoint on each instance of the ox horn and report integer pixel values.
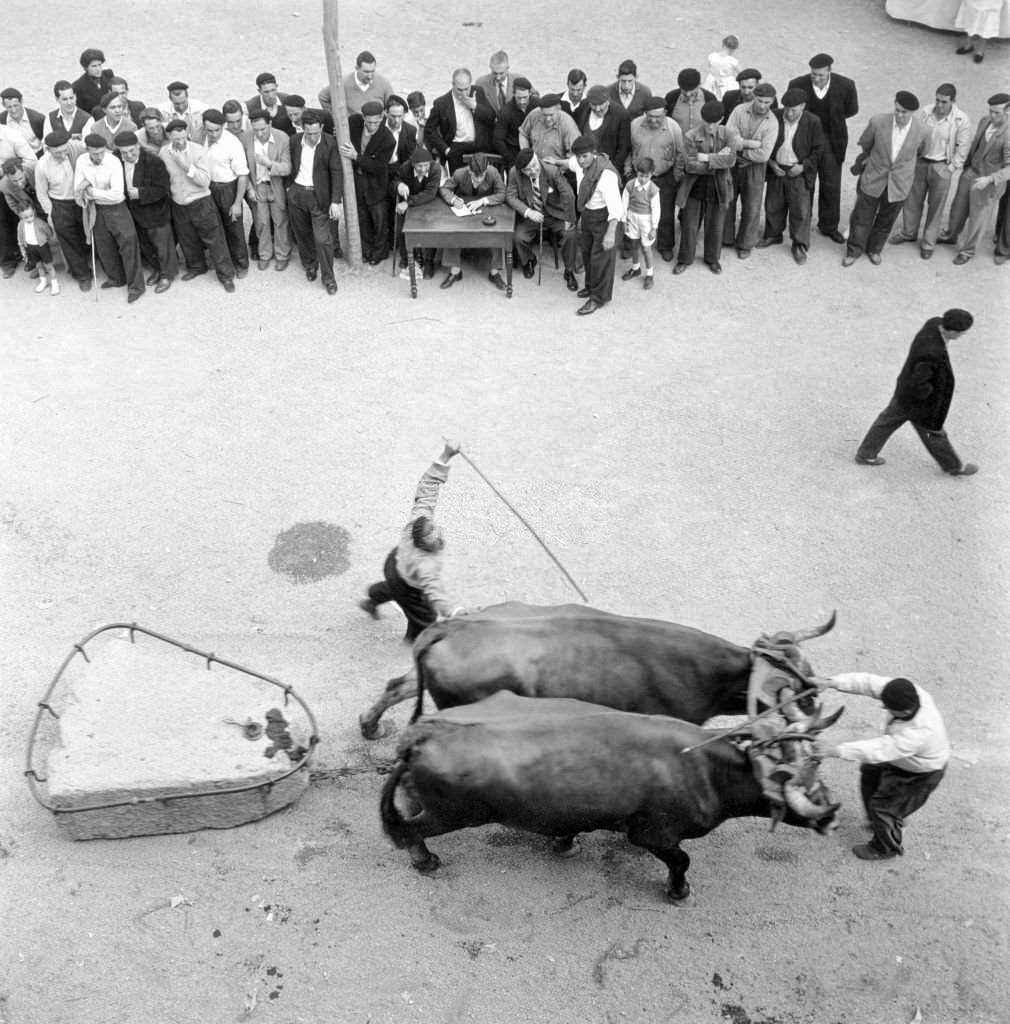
(802, 635)
(801, 804)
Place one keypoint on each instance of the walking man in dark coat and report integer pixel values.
(922, 396)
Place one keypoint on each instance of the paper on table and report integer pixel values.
(463, 211)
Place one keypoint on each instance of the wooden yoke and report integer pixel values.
(331, 37)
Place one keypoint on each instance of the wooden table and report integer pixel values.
(435, 226)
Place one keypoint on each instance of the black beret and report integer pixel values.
(177, 87)
(598, 94)
(523, 158)
(550, 99)
(95, 141)
(906, 100)
(793, 97)
(265, 78)
(521, 82)
(420, 156)
(585, 144)
(689, 78)
(148, 112)
(126, 139)
(56, 138)
(712, 111)
(900, 695)
(294, 100)
(655, 103)
(370, 108)
(10, 93)
(213, 116)
(957, 319)
(175, 124)
(821, 60)
(748, 73)
(1001, 99)
(765, 89)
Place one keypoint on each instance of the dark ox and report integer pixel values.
(560, 767)
(642, 665)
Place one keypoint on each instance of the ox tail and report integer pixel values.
(393, 822)
(422, 645)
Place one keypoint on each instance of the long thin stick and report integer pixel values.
(540, 258)
(397, 222)
(750, 721)
(519, 516)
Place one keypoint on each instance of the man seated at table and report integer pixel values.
(415, 183)
(476, 186)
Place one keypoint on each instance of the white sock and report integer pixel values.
(636, 266)
(648, 271)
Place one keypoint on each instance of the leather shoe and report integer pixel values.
(133, 296)
(311, 273)
(999, 259)
(228, 285)
(451, 279)
(85, 284)
(765, 242)
(847, 260)
(632, 273)
(799, 254)
(899, 240)
(573, 285)
(968, 469)
(874, 258)
(867, 851)
(946, 240)
(331, 288)
(835, 236)
(529, 269)
(965, 49)
(589, 306)
(667, 255)
(680, 268)
(10, 269)
(978, 58)
(162, 285)
(716, 267)
(241, 271)
(263, 264)
(152, 277)
(959, 260)
(648, 282)
(281, 265)
(429, 270)
(743, 254)
(190, 274)
(496, 280)
(583, 293)
(926, 254)
(113, 284)
(875, 461)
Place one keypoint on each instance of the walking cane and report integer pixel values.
(397, 232)
(92, 216)
(540, 258)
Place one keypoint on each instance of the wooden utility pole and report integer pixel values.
(331, 37)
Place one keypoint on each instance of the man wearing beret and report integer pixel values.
(628, 92)
(511, 117)
(833, 99)
(746, 82)
(659, 137)
(792, 171)
(461, 122)
(180, 106)
(684, 103)
(704, 190)
(477, 186)
(889, 149)
(609, 122)
(899, 769)
(54, 186)
(295, 109)
(148, 197)
(100, 189)
(601, 210)
(370, 150)
(753, 128)
(229, 180)
(549, 131)
(94, 83)
(415, 184)
(983, 180)
(922, 396)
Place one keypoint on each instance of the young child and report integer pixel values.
(34, 236)
(641, 219)
(722, 68)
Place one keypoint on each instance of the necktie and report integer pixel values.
(501, 96)
(538, 202)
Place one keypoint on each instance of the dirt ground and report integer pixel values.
(687, 453)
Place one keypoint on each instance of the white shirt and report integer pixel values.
(106, 179)
(939, 134)
(898, 136)
(128, 170)
(261, 149)
(820, 91)
(464, 122)
(396, 140)
(595, 120)
(918, 745)
(787, 155)
(25, 128)
(606, 194)
(304, 175)
(226, 159)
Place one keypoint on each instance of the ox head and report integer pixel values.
(779, 670)
(788, 772)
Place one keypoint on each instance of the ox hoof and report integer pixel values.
(428, 865)
(684, 898)
(566, 847)
(371, 730)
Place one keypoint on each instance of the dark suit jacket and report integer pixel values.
(613, 136)
(81, 117)
(406, 143)
(89, 91)
(288, 128)
(371, 169)
(557, 194)
(637, 104)
(327, 174)
(840, 103)
(421, 192)
(280, 119)
(152, 207)
(440, 129)
(506, 129)
(35, 119)
(925, 385)
(808, 145)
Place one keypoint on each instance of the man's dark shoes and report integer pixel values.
(583, 293)
(10, 269)
(874, 258)
(632, 273)
(767, 241)
(162, 285)
(573, 285)
(968, 469)
(529, 269)
(680, 268)
(133, 296)
(331, 288)
(648, 282)
(835, 235)
(867, 851)
(190, 274)
(965, 49)
(311, 273)
(241, 272)
(85, 284)
(716, 267)
(496, 280)
(875, 461)
(451, 279)
(799, 254)
(667, 255)
(153, 276)
(959, 260)
(946, 240)
(589, 306)
(228, 285)
(113, 284)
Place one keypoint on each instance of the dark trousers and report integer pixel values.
(118, 248)
(748, 187)
(373, 223)
(68, 223)
(871, 222)
(10, 254)
(198, 228)
(666, 230)
(310, 224)
(890, 795)
(1003, 226)
(936, 441)
(223, 194)
(157, 246)
(829, 192)
(412, 601)
(790, 196)
(600, 263)
(527, 235)
(714, 216)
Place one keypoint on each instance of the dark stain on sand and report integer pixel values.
(308, 552)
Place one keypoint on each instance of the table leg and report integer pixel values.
(413, 272)
(508, 272)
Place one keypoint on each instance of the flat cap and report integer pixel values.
(95, 141)
(126, 139)
(598, 94)
(712, 111)
(294, 100)
(1001, 99)
(57, 138)
(655, 103)
(821, 60)
(793, 97)
(370, 108)
(523, 158)
(550, 99)
(420, 156)
(213, 116)
(689, 78)
(742, 76)
(176, 124)
(177, 87)
(585, 144)
(906, 100)
(957, 319)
